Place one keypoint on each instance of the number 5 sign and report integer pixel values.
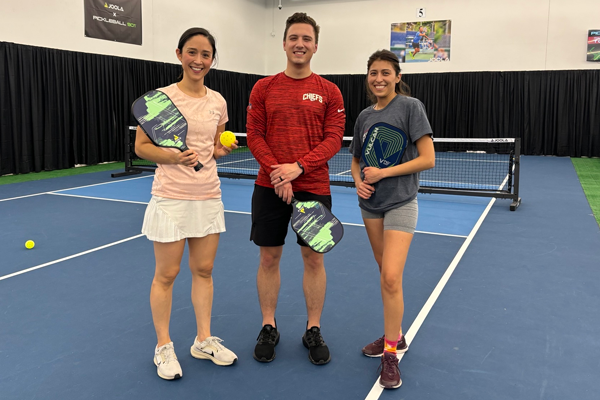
(420, 12)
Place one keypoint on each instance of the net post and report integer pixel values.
(517, 167)
(129, 149)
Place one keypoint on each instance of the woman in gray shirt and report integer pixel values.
(388, 197)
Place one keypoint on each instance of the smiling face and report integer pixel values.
(300, 44)
(382, 80)
(196, 58)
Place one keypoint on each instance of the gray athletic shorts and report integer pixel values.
(403, 218)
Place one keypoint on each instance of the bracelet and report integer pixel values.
(301, 167)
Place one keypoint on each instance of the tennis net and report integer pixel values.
(473, 167)
(480, 167)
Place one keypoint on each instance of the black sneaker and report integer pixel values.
(318, 352)
(267, 340)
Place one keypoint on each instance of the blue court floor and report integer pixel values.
(499, 304)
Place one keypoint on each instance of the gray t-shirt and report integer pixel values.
(408, 114)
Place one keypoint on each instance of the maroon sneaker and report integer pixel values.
(390, 372)
(375, 349)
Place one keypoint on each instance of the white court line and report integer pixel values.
(227, 211)
(57, 193)
(23, 197)
(104, 183)
(352, 224)
(97, 198)
(234, 212)
(70, 257)
(77, 187)
(236, 161)
(441, 234)
(137, 236)
(376, 390)
(425, 232)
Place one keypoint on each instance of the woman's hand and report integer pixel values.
(222, 151)
(364, 190)
(189, 158)
(373, 175)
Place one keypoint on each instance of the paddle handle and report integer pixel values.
(198, 166)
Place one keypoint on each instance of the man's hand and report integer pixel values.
(284, 191)
(284, 173)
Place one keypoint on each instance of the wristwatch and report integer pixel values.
(301, 167)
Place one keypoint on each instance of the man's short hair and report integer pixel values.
(301, 18)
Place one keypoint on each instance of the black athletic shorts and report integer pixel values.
(271, 215)
(416, 45)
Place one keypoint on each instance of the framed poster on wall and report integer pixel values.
(422, 41)
(593, 47)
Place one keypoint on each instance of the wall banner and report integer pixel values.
(115, 20)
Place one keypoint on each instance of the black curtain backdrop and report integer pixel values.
(60, 108)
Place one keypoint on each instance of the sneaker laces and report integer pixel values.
(388, 364)
(215, 342)
(314, 337)
(267, 334)
(168, 354)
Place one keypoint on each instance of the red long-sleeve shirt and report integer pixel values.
(293, 120)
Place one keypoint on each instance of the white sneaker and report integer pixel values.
(166, 362)
(212, 349)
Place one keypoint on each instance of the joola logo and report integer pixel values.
(312, 97)
(113, 7)
(499, 140)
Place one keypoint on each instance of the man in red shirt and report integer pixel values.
(295, 125)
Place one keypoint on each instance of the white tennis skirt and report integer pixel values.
(170, 220)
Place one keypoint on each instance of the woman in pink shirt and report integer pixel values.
(186, 204)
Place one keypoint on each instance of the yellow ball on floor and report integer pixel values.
(29, 244)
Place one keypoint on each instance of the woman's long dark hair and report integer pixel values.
(386, 55)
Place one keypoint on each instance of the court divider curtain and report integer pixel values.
(61, 108)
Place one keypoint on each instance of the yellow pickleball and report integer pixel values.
(29, 244)
(227, 138)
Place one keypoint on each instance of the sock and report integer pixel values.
(390, 346)
(400, 335)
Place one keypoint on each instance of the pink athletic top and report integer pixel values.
(203, 116)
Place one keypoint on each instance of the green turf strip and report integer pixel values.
(588, 170)
(36, 176)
